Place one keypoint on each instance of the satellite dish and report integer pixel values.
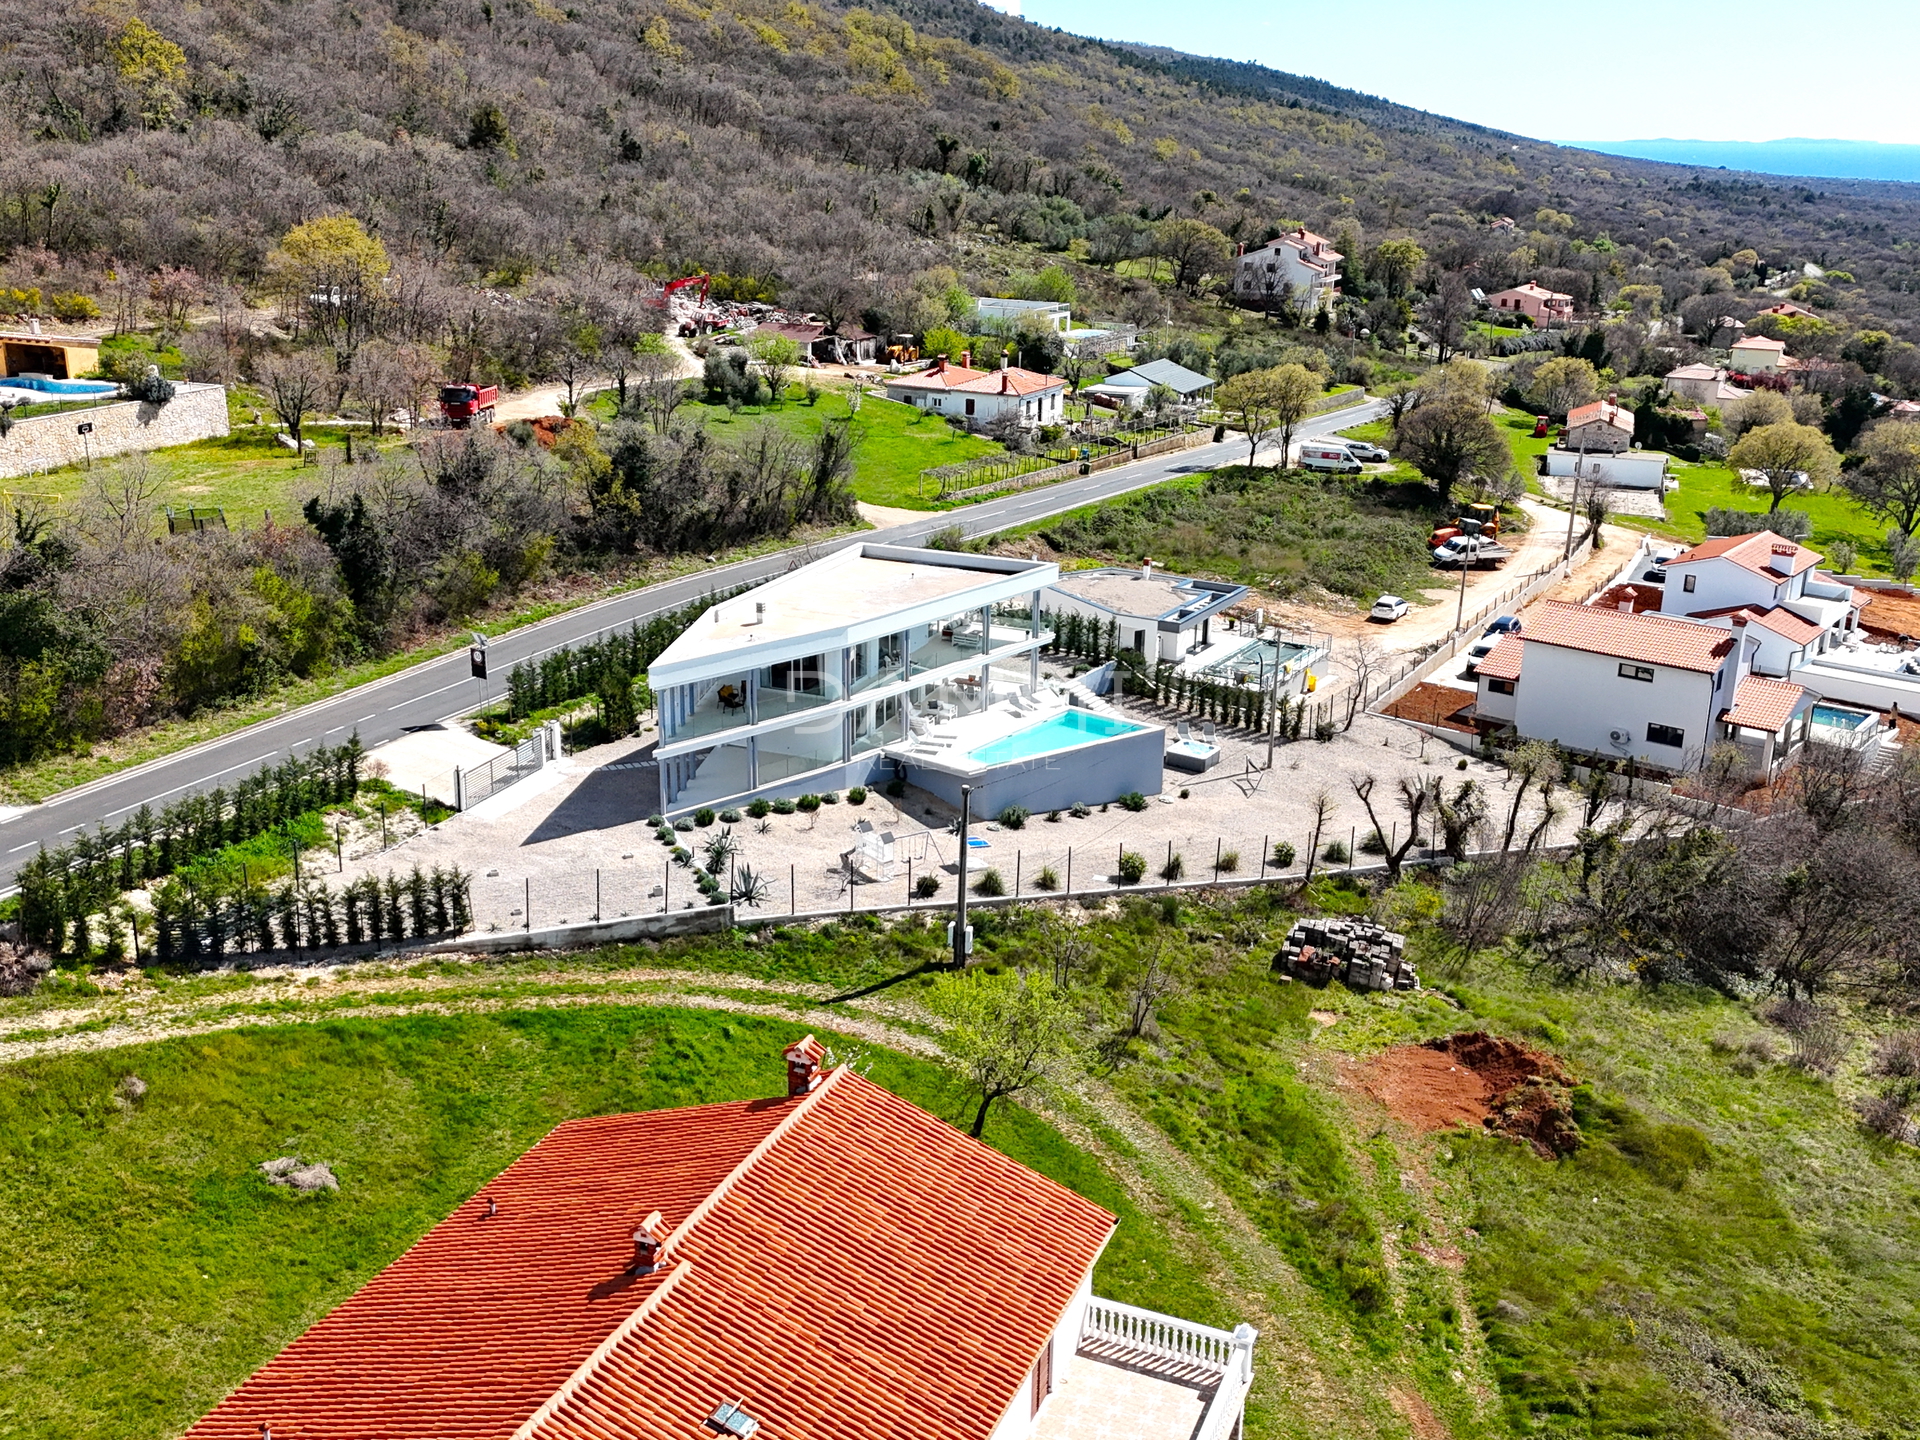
(1621, 738)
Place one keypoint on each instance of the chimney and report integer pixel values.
(647, 1241)
(803, 1059)
(966, 359)
(1003, 362)
(759, 613)
(939, 364)
(1146, 568)
(33, 324)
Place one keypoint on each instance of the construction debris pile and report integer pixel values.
(1359, 953)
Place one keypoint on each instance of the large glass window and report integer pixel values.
(877, 662)
(707, 707)
(878, 724)
(796, 749)
(798, 684)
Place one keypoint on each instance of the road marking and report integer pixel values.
(164, 793)
(364, 718)
(18, 848)
(428, 696)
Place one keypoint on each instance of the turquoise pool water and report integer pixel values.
(1840, 719)
(59, 387)
(1062, 732)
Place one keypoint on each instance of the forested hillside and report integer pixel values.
(829, 152)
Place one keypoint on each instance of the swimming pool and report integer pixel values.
(58, 387)
(1062, 732)
(1838, 719)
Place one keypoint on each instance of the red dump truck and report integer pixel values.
(461, 405)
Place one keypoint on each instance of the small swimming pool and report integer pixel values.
(58, 387)
(1836, 718)
(1062, 732)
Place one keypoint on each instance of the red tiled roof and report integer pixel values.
(1758, 342)
(1503, 661)
(942, 376)
(1779, 619)
(800, 334)
(1012, 381)
(1537, 292)
(1650, 639)
(1762, 704)
(846, 1262)
(1604, 411)
(1753, 552)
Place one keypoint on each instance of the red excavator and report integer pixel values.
(705, 282)
(461, 405)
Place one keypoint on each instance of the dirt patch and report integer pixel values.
(1431, 704)
(1891, 614)
(1477, 1079)
(1419, 1415)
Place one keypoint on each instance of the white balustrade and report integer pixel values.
(1228, 1353)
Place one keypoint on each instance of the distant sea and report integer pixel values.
(1833, 159)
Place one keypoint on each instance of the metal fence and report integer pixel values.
(484, 781)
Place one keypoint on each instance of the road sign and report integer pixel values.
(85, 428)
(477, 656)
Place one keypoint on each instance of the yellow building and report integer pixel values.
(60, 357)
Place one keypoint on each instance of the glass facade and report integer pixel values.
(796, 749)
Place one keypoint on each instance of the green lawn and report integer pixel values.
(149, 1267)
(896, 442)
(1834, 513)
(249, 474)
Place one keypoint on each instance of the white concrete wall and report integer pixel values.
(1632, 470)
(1018, 1420)
(46, 442)
(1577, 698)
(1493, 705)
(1718, 583)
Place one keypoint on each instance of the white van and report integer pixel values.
(1317, 455)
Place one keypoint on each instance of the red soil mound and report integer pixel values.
(1477, 1079)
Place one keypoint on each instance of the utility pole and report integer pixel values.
(960, 904)
(1573, 504)
(1468, 552)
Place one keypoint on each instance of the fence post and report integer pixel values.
(528, 903)
(666, 887)
(910, 884)
(793, 893)
(1069, 890)
(460, 788)
(1263, 855)
(1016, 874)
(596, 895)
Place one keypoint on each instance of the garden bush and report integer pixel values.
(830, 797)
(896, 788)
(1133, 800)
(1079, 811)
(1047, 879)
(1228, 862)
(1175, 867)
(784, 806)
(857, 795)
(1133, 868)
(1336, 853)
(989, 883)
(683, 825)
(1014, 817)
(729, 817)
(759, 809)
(703, 817)
(926, 885)
(807, 804)
(1282, 854)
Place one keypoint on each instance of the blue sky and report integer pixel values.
(1636, 70)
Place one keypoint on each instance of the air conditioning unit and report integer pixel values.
(1622, 738)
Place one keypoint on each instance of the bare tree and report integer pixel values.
(1530, 763)
(1363, 661)
(1414, 798)
(1151, 984)
(1321, 803)
(296, 384)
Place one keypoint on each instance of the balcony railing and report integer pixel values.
(1225, 1356)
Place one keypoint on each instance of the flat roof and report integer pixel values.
(860, 585)
(29, 338)
(1128, 592)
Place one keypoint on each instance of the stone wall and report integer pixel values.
(46, 442)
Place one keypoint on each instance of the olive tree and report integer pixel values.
(1783, 453)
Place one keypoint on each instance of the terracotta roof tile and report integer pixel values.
(1754, 552)
(846, 1262)
(1758, 342)
(1762, 704)
(1782, 621)
(1650, 639)
(1012, 381)
(1503, 661)
(1600, 410)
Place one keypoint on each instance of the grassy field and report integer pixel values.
(249, 474)
(1288, 536)
(1728, 1253)
(896, 442)
(1835, 514)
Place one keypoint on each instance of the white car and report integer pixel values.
(1480, 651)
(1369, 452)
(1388, 608)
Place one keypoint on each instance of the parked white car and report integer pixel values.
(1388, 608)
(1369, 452)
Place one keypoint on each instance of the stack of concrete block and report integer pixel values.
(1363, 955)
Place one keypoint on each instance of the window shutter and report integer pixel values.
(1043, 1376)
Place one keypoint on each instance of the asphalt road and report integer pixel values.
(441, 689)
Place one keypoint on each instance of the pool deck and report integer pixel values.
(949, 742)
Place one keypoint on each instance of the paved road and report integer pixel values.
(441, 689)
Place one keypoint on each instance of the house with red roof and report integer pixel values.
(1300, 267)
(1763, 574)
(830, 1264)
(1758, 355)
(1630, 686)
(979, 399)
(1542, 306)
(1604, 427)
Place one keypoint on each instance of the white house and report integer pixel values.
(1131, 387)
(1627, 470)
(1758, 355)
(831, 1262)
(1542, 306)
(1763, 572)
(1165, 617)
(1300, 266)
(801, 683)
(1645, 688)
(981, 398)
(1048, 313)
(1705, 385)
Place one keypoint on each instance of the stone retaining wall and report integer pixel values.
(47, 442)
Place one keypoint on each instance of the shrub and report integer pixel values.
(656, 821)
(831, 797)
(783, 806)
(857, 795)
(1175, 867)
(759, 809)
(1228, 862)
(1014, 817)
(665, 835)
(682, 856)
(729, 817)
(1133, 867)
(1282, 855)
(1185, 793)
(703, 817)
(808, 803)
(926, 885)
(1047, 879)
(1079, 811)
(1374, 843)
(1336, 853)
(1133, 800)
(989, 883)
(683, 824)
(1053, 817)
(896, 788)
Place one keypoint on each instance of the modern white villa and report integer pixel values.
(880, 662)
